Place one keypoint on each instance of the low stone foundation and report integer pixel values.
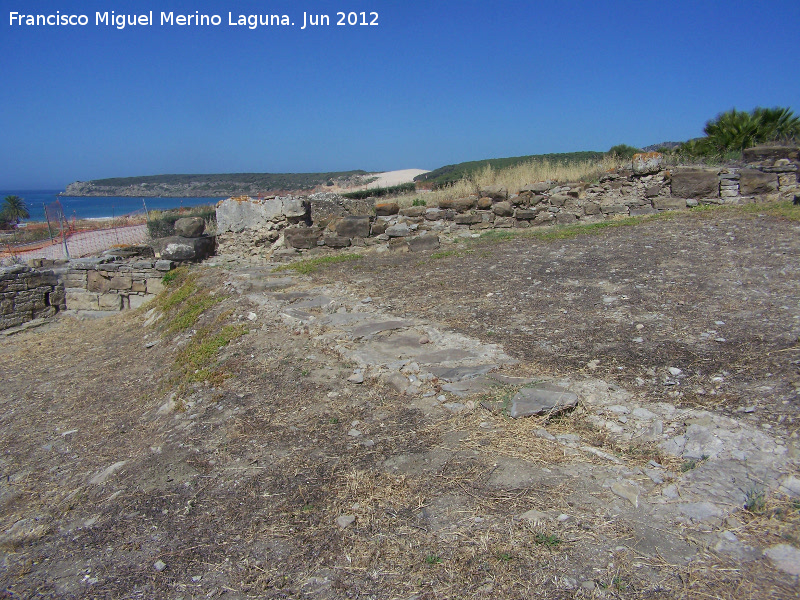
(27, 294)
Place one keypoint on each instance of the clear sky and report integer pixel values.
(435, 82)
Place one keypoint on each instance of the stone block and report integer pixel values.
(139, 285)
(484, 203)
(399, 230)
(504, 222)
(537, 188)
(645, 163)
(435, 214)
(525, 214)
(652, 191)
(460, 204)
(467, 219)
(97, 282)
(544, 218)
(643, 212)
(351, 227)
(614, 209)
(164, 265)
(753, 182)
(591, 208)
(110, 301)
(479, 226)
(558, 200)
(413, 211)
(120, 282)
(302, 237)
(379, 227)
(770, 153)
(387, 209)
(154, 285)
(669, 203)
(695, 183)
(335, 241)
(503, 209)
(422, 243)
(80, 300)
(495, 192)
(181, 249)
(190, 227)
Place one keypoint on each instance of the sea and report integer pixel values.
(97, 207)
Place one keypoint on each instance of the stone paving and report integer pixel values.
(729, 462)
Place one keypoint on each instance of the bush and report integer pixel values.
(162, 223)
(623, 151)
(379, 192)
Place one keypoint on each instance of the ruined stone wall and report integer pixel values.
(274, 227)
(110, 284)
(27, 294)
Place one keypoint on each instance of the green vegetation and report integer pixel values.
(733, 131)
(623, 151)
(12, 212)
(755, 500)
(162, 223)
(549, 540)
(311, 265)
(184, 304)
(379, 192)
(419, 202)
(194, 360)
(432, 559)
(450, 174)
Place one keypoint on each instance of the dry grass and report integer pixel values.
(515, 178)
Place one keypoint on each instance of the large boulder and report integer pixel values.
(459, 204)
(753, 182)
(695, 183)
(387, 209)
(190, 227)
(645, 163)
(182, 249)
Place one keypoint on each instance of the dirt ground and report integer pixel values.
(129, 473)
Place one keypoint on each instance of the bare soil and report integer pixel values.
(231, 487)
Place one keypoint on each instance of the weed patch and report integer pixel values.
(312, 265)
(194, 362)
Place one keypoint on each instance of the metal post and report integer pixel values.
(63, 235)
(47, 217)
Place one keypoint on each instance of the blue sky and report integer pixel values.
(436, 82)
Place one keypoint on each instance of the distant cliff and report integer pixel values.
(213, 186)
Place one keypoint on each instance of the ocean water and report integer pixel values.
(97, 207)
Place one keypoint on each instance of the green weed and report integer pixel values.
(549, 540)
(432, 559)
(755, 500)
(312, 265)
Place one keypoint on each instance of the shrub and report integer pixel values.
(623, 151)
(379, 192)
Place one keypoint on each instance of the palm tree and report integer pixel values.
(14, 210)
(736, 130)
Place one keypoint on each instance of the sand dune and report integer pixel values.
(389, 178)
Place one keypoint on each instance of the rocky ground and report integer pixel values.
(349, 433)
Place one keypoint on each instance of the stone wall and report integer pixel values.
(108, 283)
(27, 294)
(278, 226)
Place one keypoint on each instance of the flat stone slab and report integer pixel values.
(369, 329)
(444, 355)
(541, 399)
(316, 302)
(344, 319)
(469, 387)
(454, 374)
